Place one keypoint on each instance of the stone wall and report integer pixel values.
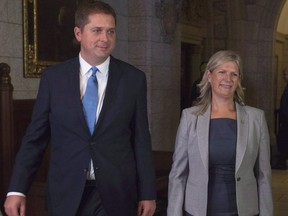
(11, 51)
(160, 59)
(151, 40)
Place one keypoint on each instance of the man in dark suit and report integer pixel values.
(119, 180)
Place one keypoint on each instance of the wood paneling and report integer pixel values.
(36, 197)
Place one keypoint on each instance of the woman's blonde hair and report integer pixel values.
(216, 60)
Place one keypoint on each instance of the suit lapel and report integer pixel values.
(203, 136)
(74, 82)
(242, 134)
(111, 89)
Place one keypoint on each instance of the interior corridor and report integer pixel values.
(280, 192)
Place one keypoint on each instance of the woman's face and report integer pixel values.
(224, 80)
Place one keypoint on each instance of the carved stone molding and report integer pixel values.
(194, 11)
(168, 12)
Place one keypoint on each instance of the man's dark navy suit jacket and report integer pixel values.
(120, 146)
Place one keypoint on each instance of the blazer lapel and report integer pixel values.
(203, 136)
(242, 134)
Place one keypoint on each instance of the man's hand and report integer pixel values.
(146, 208)
(15, 205)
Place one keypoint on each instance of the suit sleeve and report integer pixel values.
(142, 146)
(179, 172)
(263, 171)
(34, 143)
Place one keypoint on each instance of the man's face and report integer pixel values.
(97, 38)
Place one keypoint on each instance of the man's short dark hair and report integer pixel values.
(86, 8)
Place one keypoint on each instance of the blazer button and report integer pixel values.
(238, 179)
(85, 170)
(96, 168)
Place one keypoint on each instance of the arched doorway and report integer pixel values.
(260, 58)
(280, 53)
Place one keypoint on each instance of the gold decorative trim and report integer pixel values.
(35, 56)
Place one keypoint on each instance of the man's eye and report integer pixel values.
(111, 32)
(235, 74)
(97, 31)
(221, 72)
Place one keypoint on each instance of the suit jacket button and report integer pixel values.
(85, 170)
(96, 168)
(238, 179)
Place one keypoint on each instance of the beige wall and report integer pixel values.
(282, 26)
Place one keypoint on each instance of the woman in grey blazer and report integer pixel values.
(221, 163)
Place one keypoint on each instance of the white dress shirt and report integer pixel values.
(102, 78)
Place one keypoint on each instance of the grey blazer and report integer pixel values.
(188, 179)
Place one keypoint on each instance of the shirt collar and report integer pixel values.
(85, 66)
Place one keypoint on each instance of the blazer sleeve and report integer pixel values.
(33, 144)
(179, 172)
(263, 171)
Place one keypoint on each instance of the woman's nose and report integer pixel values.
(228, 76)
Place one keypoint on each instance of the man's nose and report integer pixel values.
(104, 36)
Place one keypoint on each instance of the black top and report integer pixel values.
(222, 157)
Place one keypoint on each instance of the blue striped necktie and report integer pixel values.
(90, 100)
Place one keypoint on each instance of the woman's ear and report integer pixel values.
(208, 74)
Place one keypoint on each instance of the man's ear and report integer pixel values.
(77, 33)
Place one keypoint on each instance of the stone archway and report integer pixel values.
(280, 54)
(258, 38)
(265, 57)
(260, 30)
